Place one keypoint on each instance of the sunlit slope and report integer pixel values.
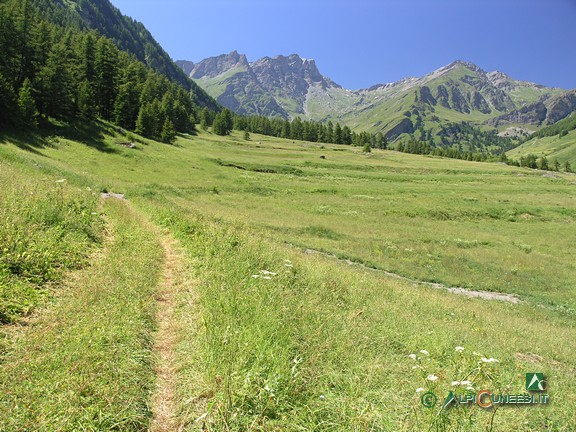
(475, 225)
(554, 148)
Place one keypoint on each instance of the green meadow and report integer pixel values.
(308, 270)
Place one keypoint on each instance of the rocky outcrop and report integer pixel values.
(548, 111)
(261, 87)
(405, 126)
(531, 114)
(426, 96)
(561, 106)
(213, 66)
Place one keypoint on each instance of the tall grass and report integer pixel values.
(289, 341)
(85, 363)
(46, 228)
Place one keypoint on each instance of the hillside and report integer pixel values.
(556, 143)
(459, 92)
(128, 34)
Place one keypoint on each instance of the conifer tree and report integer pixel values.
(106, 70)
(168, 134)
(27, 105)
(147, 122)
(219, 125)
(338, 134)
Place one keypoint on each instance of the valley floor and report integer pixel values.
(204, 309)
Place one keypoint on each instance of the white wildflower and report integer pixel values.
(420, 390)
(266, 277)
(489, 360)
(470, 388)
(424, 352)
(412, 356)
(60, 181)
(416, 367)
(459, 348)
(322, 397)
(461, 383)
(432, 378)
(288, 265)
(266, 272)
(255, 276)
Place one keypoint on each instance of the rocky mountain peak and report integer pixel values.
(292, 66)
(214, 66)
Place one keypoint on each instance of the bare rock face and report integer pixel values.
(548, 111)
(260, 87)
(561, 106)
(405, 126)
(530, 114)
(213, 66)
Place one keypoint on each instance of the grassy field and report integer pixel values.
(554, 148)
(275, 337)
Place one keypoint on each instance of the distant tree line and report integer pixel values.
(297, 129)
(50, 71)
(541, 163)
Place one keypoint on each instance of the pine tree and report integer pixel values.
(55, 84)
(543, 163)
(85, 100)
(346, 135)
(126, 106)
(229, 120)
(147, 122)
(247, 135)
(106, 70)
(27, 105)
(168, 134)
(219, 125)
(338, 134)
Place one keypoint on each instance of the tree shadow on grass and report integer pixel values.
(90, 133)
(23, 139)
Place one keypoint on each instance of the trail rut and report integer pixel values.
(163, 402)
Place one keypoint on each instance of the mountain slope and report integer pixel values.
(292, 86)
(556, 142)
(129, 35)
(276, 86)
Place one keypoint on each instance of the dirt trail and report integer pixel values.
(174, 280)
(163, 402)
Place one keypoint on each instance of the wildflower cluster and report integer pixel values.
(461, 371)
(268, 275)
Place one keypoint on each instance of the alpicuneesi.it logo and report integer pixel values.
(535, 382)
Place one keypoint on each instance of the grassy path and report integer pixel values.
(174, 281)
(86, 363)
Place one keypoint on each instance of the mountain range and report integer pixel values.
(291, 86)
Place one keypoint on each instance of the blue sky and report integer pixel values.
(359, 43)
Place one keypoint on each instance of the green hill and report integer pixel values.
(129, 35)
(556, 142)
